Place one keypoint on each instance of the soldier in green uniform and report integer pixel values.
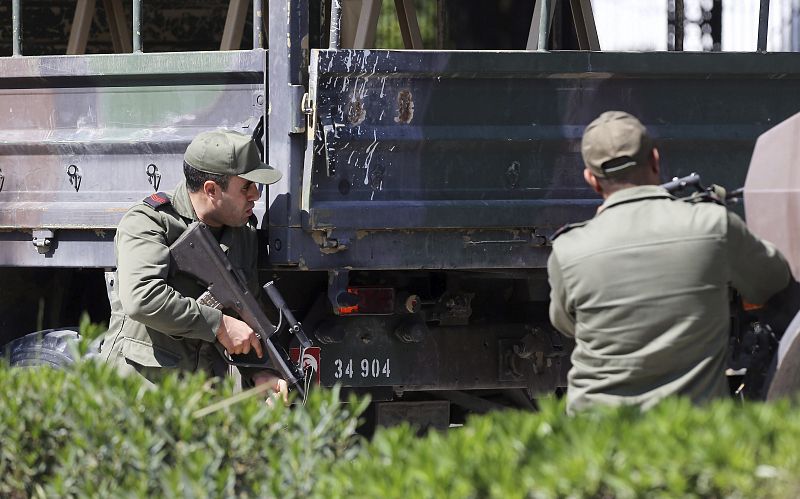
(643, 286)
(157, 326)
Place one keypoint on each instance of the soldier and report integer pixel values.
(643, 286)
(157, 326)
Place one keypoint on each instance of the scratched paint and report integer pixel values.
(370, 151)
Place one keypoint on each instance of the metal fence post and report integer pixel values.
(258, 24)
(544, 25)
(679, 28)
(336, 24)
(137, 26)
(16, 29)
(763, 25)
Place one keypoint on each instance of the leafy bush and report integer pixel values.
(90, 330)
(722, 450)
(88, 432)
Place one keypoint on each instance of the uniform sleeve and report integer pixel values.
(142, 270)
(758, 270)
(562, 318)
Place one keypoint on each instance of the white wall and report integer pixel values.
(740, 25)
(631, 24)
(642, 25)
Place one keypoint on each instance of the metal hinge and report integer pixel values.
(307, 105)
(42, 240)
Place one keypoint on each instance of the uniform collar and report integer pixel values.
(638, 193)
(182, 203)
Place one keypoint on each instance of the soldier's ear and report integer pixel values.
(211, 189)
(655, 161)
(590, 179)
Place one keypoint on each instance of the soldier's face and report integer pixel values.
(235, 204)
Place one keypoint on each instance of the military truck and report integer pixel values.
(420, 185)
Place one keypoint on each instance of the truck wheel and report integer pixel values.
(42, 348)
(785, 381)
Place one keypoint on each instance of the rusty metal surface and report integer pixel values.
(772, 189)
(85, 137)
(435, 144)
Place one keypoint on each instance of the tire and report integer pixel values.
(50, 347)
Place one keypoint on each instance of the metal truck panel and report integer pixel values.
(430, 141)
(86, 137)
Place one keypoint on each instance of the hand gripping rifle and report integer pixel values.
(197, 253)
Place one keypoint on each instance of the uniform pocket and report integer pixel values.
(147, 355)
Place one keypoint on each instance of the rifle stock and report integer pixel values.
(197, 253)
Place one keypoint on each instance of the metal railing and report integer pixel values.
(16, 19)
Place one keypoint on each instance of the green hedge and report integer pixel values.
(676, 450)
(87, 432)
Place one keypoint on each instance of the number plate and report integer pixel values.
(353, 368)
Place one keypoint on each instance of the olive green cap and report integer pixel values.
(613, 142)
(229, 153)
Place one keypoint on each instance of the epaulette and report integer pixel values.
(156, 200)
(566, 228)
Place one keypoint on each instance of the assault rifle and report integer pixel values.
(697, 192)
(197, 253)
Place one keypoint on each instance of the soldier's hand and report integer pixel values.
(237, 337)
(278, 388)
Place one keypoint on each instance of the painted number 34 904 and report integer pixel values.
(366, 368)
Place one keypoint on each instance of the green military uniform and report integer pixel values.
(157, 325)
(643, 288)
(156, 322)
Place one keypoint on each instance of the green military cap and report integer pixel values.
(229, 153)
(613, 142)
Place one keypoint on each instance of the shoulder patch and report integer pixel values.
(566, 228)
(156, 200)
